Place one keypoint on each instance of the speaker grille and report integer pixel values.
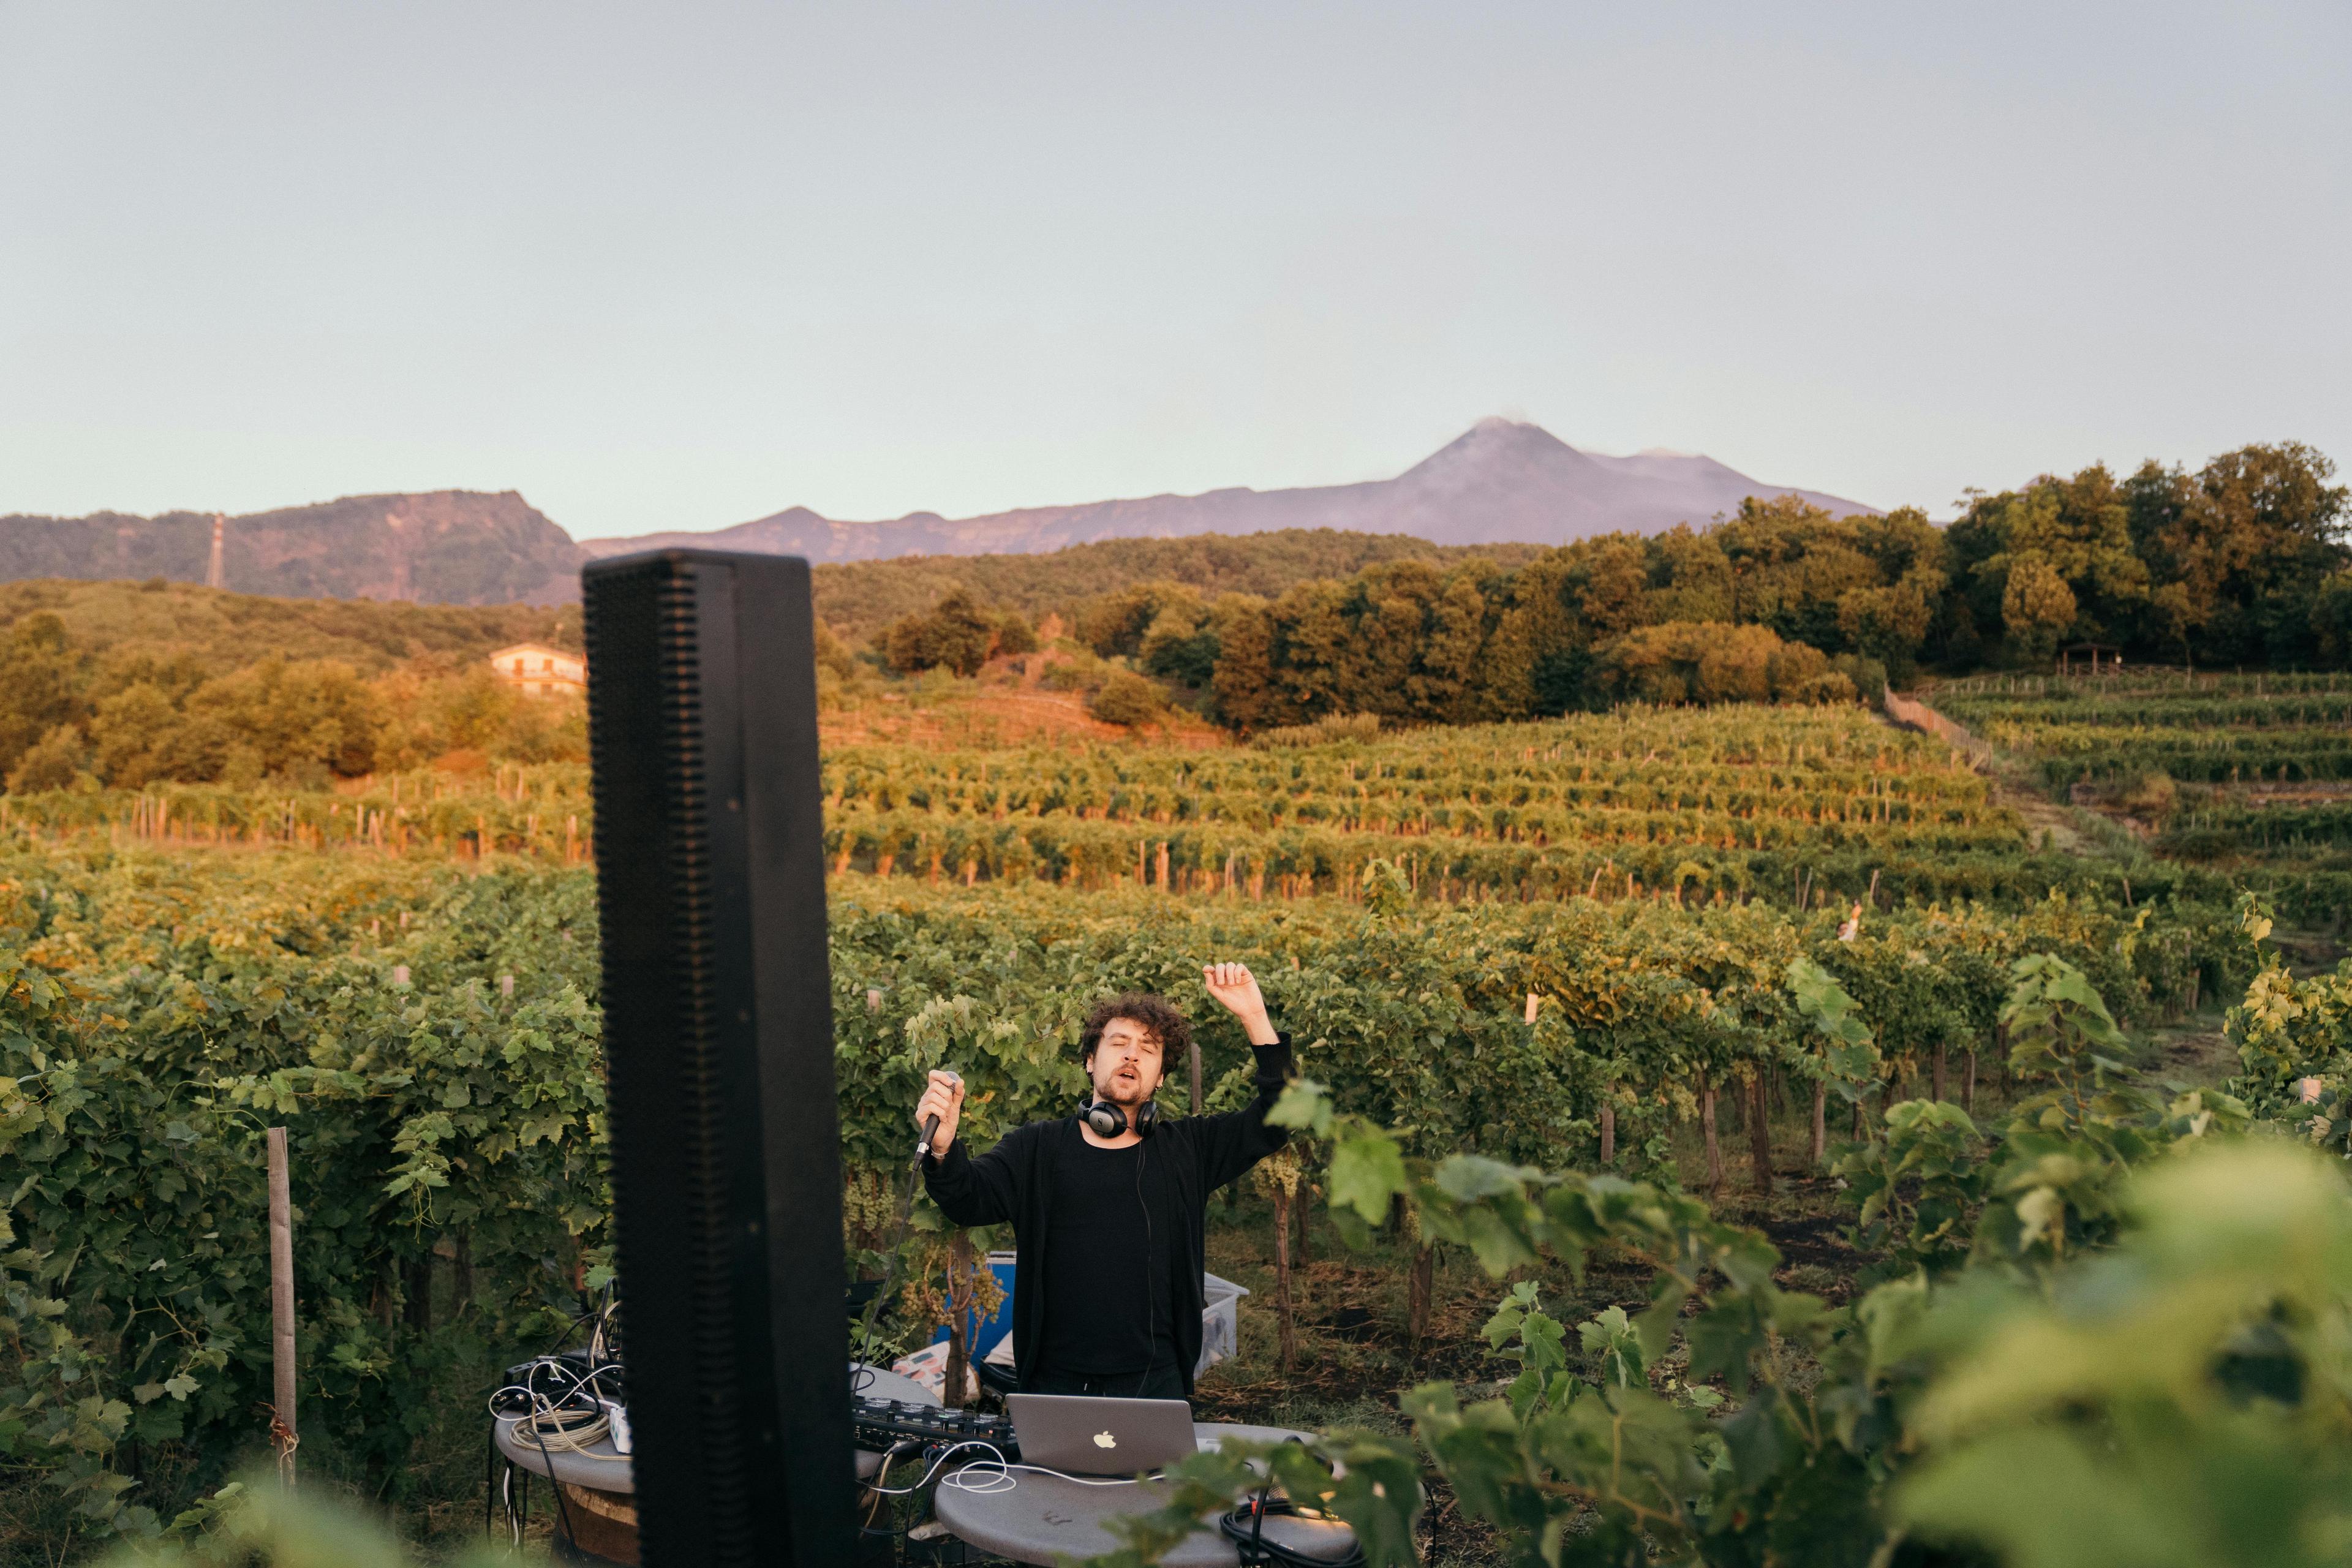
(718, 1056)
(643, 620)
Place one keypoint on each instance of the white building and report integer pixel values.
(536, 669)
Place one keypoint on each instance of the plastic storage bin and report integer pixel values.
(1219, 1320)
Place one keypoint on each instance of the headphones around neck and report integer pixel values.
(1108, 1121)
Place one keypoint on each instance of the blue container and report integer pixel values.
(981, 1334)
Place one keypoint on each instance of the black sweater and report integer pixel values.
(1203, 1152)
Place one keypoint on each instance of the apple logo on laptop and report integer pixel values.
(1105, 1440)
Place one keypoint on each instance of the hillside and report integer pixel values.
(228, 631)
(442, 547)
(857, 598)
(1500, 482)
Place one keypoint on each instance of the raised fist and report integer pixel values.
(1235, 989)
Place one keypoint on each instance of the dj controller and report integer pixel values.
(881, 1425)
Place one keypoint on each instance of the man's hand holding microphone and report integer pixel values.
(937, 1114)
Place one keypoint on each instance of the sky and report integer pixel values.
(679, 266)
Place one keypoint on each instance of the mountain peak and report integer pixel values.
(1501, 480)
(1494, 443)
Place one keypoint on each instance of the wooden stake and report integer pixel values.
(1706, 1124)
(1286, 1320)
(1759, 1133)
(960, 1294)
(283, 1430)
(1607, 1132)
(1821, 1142)
(1420, 1285)
(1193, 1050)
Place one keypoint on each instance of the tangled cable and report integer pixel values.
(572, 1421)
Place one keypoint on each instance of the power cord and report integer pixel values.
(1150, 1293)
(538, 1408)
(571, 1421)
(567, 1423)
(994, 1474)
(1245, 1528)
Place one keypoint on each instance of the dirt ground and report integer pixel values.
(1008, 707)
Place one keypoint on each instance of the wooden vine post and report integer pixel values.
(1760, 1130)
(1302, 1254)
(1421, 1284)
(283, 1432)
(959, 1305)
(1279, 1176)
(1707, 1126)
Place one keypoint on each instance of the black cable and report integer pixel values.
(1253, 1547)
(881, 1479)
(563, 1509)
(489, 1463)
(490, 1474)
(1248, 1535)
(1151, 1305)
(528, 1417)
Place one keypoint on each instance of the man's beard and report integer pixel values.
(1125, 1092)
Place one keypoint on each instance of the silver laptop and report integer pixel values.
(1085, 1436)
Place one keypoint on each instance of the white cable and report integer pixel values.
(549, 1428)
(991, 1481)
(1003, 1469)
(951, 1448)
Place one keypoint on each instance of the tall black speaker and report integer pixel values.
(718, 1056)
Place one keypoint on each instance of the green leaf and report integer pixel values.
(1367, 1172)
(1302, 1104)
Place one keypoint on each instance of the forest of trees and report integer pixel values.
(124, 684)
(2242, 562)
(859, 598)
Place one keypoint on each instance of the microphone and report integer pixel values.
(930, 1128)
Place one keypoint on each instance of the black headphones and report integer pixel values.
(1108, 1121)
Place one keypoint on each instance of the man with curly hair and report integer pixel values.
(1107, 1205)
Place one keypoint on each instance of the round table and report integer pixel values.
(1043, 1518)
(606, 1470)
